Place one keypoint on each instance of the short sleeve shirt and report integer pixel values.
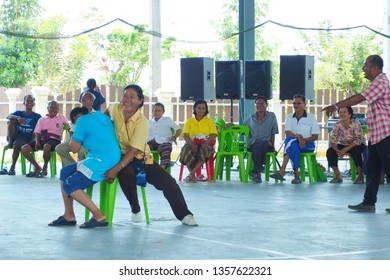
(160, 130)
(378, 112)
(134, 133)
(264, 130)
(95, 132)
(306, 126)
(52, 125)
(201, 128)
(343, 136)
(26, 130)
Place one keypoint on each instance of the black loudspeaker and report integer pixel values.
(197, 78)
(296, 76)
(228, 79)
(258, 79)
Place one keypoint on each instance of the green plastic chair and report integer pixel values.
(156, 158)
(107, 200)
(270, 158)
(308, 161)
(22, 160)
(231, 145)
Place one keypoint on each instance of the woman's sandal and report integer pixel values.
(189, 179)
(336, 181)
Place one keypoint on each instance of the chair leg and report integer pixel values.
(145, 205)
(181, 172)
(53, 164)
(2, 158)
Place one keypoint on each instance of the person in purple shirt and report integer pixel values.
(21, 126)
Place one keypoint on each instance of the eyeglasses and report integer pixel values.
(297, 103)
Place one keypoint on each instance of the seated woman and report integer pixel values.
(199, 133)
(131, 128)
(346, 137)
(160, 134)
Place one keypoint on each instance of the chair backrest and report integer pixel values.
(234, 139)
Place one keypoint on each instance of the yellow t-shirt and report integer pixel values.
(195, 128)
(131, 134)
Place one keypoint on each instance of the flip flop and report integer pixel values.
(277, 176)
(61, 221)
(31, 174)
(4, 172)
(93, 223)
(11, 172)
(39, 175)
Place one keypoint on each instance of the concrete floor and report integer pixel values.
(241, 221)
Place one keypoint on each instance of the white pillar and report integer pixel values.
(276, 107)
(12, 94)
(155, 47)
(41, 99)
(386, 41)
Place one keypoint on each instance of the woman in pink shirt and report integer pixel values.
(347, 137)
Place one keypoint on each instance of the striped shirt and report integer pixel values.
(378, 111)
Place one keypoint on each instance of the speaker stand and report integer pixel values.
(231, 110)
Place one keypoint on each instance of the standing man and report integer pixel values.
(378, 120)
(21, 126)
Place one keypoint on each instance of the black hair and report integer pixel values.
(91, 83)
(158, 104)
(28, 96)
(76, 111)
(201, 101)
(350, 110)
(376, 60)
(301, 96)
(139, 92)
(263, 98)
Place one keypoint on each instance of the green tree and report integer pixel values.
(339, 56)
(128, 54)
(18, 54)
(266, 48)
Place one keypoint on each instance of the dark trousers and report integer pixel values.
(378, 158)
(356, 153)
(259, 149)
(161, 180)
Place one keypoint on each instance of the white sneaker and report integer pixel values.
(189, 220)
(136, 217)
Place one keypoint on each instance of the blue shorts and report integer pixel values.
(74, 180)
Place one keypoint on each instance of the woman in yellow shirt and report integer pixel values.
(199, 133)
(132, 128)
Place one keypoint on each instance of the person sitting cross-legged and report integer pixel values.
(302, 131)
